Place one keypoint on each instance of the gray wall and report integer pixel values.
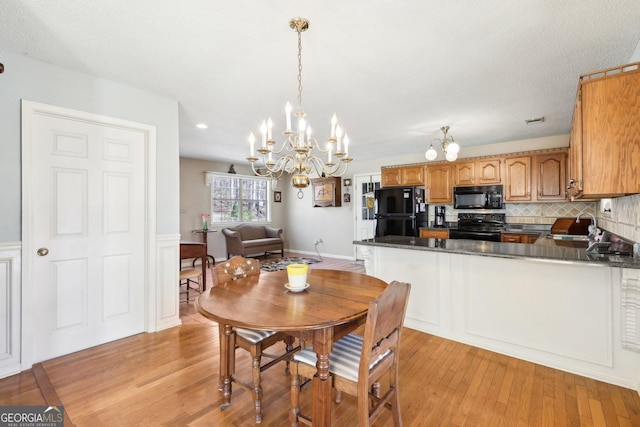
(195, 199)
(37, 81)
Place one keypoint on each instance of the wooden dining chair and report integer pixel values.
(357, 364)
(188, 277)
(254, 341)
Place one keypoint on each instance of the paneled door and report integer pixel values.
(86, 244)
(365, 225)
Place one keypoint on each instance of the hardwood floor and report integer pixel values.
(170, 378)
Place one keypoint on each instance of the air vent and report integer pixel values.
(534, 120)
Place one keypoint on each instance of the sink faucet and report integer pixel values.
(593, 228)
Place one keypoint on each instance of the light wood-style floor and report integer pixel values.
(170, 378)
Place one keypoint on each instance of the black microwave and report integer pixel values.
(480, 197)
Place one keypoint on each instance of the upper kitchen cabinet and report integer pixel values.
(439, 184)
(518, 179)
(537, 177)
(398, 176)
(479, 172)
(391, 177)
(550, 177)
(605, 134)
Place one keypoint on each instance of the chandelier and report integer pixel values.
(449, 147)
(296, 155)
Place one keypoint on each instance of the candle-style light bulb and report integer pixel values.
(252, 141)
(263, 131)
(287, 110)
(308, 133)
(334, 122)
(338, 139)
(346, 145)
(269, 128)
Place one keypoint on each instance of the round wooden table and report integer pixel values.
(335, 303)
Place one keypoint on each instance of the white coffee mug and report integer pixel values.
(297, 274)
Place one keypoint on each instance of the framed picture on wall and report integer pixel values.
(327, 192)
(277, 196)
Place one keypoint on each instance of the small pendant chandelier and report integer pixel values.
(296, 155)
(449, 147)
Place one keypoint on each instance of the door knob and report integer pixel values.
(43, 251)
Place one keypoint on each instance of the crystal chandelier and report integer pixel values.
(449, 147)
(296, 155)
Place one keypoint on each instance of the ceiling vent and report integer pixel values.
(534, 120)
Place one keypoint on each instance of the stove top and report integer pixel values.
(481, 222)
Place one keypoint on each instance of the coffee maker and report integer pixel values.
(439, 216)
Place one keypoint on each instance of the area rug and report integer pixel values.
(281, 264)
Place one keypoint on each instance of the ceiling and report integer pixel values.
(394, 72)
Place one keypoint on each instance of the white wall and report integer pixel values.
(25, 78)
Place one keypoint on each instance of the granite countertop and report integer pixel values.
(549, 251)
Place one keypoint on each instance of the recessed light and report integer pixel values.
(534, 120)
(202, 126)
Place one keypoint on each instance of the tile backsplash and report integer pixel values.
(530, 213)
(624, 218)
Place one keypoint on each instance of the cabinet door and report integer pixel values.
(439, 188)
(518, 179)
(464, 173)
(611, 134)
(511, 238)
(530, 238)
(391, 177)
(488, 172)
(434, 234)
(575, 149)
(412, 175)
(551, 181)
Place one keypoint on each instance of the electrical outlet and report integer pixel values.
(317, 242)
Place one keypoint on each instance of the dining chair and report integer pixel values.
(358, 363)
(254, 341)
(187, 277)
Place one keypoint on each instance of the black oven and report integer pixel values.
(479, 197)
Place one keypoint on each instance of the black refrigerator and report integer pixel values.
(400, 211)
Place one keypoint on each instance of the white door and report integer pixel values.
(86, 245)
(364, 226)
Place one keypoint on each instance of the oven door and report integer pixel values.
(489, 236)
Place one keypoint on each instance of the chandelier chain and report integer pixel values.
(299, 154)
(299, 70)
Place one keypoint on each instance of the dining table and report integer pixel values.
(334, 304)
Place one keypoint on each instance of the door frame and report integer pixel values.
(357, 196)
(29, 110)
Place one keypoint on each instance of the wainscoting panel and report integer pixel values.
(167, 276)
(10, 314)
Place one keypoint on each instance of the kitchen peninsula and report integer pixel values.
(556, 306)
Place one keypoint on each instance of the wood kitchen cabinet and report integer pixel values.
(402, 175)
(439, 184)
(517, 179)
(480, 172)
(412, 175)
(434, 234)
(550, 179)
(391, 177)
(605, 134)
(518, 238)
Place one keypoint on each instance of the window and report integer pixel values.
(237, 198)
